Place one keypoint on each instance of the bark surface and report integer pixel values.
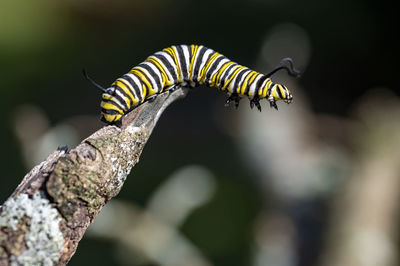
(42, 222)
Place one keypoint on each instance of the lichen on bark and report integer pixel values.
(34, 224)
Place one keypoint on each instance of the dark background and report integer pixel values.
(45, 44)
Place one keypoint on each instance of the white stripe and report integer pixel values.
(158, 73)
(114, 100)
(216, 69)
(186, 54)
(223, 61)
(164, 68)
(232, 84)
(252, 89)
(127, 83)
(123, 97)
(234, 67)
(223, 72)
(170, 60)
(204, 61)
(179, 62)
(153, 88)
(242, 79)
(137, 83)
(195, 60)
(262, 87)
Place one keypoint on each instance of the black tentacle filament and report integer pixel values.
(92, 81)
(292, 71)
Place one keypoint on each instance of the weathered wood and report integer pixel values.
(44, 219)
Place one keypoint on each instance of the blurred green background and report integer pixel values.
(272, 180)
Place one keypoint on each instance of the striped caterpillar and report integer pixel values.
(190, 65)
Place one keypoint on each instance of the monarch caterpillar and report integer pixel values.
(190, 65)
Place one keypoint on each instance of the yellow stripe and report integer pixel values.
(111, 118)
(106, 96)
(164, 75)
(251, 83)
(117, 117)
(195, 49)
(144, 93)
(253, 78)
(245, 82)
(124, 86)
(280, 87)
(231, 77)
(215, 81)
(284, 91)
(275, 92)
(154, 62)
(110, 106)
(203, 72)
(263, 93)
(171, 51)
(129, 87)
(145, 81)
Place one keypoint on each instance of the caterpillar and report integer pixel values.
(190, 65)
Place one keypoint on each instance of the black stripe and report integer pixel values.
(109, 111)
(153, 74)
(160, 69)
(190, 55)
(206, 62)
(198, 63)
(255, 78)
(114, 103)
(143, 83)
(127, 81)
(233, 78)
(247, 89)
(182, 60)
(211, 70)
(259, 83)
(279, 91)
(238, 78)
(225, 75)
(123, 92)
(286, 92)
(171, 69)
(120, 99)
(138, 91)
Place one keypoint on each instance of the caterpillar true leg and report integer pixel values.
(234, 97)
(272, 103)
(173, 88)
(255, 101)
(152, 98)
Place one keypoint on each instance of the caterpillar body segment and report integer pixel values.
(192, 66)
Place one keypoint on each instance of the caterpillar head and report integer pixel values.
(287, 95)
(278, 92)
(111, 111)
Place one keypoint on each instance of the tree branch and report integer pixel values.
(44, 219)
